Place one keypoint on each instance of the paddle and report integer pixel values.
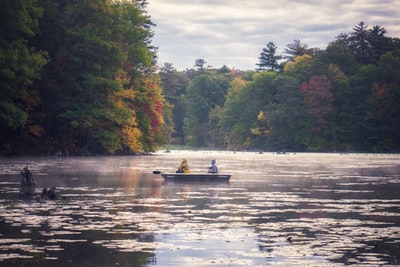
(156, 172)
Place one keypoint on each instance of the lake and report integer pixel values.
(295, 209)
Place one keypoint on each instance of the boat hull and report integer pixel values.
(197, 176)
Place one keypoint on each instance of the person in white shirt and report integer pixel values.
(213, 168)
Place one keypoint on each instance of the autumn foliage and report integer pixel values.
(90, 85)
(318, 99)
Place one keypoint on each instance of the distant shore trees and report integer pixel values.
(342, 98)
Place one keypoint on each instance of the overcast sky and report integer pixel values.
(233, 32)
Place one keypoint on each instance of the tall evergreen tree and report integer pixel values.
(200, 64)
(295, 49)
(268, 58)
(360, 44)
(380, 44)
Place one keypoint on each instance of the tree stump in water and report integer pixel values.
(28, 185)
(27, 189)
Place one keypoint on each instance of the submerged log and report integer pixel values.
(49, 193)
(28, 185)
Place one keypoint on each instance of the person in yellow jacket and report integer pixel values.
(184, 167)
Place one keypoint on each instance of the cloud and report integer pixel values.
(234, 32)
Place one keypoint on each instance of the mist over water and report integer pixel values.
(303, 209)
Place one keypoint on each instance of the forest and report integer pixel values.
(344, 98)
(81, 78)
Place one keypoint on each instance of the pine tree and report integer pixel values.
(360, 45)
(295, 49)
(268, 58)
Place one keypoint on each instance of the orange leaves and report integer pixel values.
(154, 105)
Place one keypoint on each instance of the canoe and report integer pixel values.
(197, 176)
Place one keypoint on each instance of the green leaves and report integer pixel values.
(98, 93)
(20, 64)
(12, 116)
(268, 58)
(204, 95)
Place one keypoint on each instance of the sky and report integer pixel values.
(234, 32)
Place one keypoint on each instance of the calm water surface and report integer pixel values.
(278, 210)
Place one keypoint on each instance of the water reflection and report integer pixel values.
(296, 210)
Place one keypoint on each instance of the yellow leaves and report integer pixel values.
(264, 131)
(335, 73)
(237, 84)
(131, 122)
(121, 96)
(299, 62)
(260, 131)
(122, 78)
(255, 131)
(131, 138)
(121, 110)
(262, 116)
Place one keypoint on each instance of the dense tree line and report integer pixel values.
(342, 98)
(79, 77)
